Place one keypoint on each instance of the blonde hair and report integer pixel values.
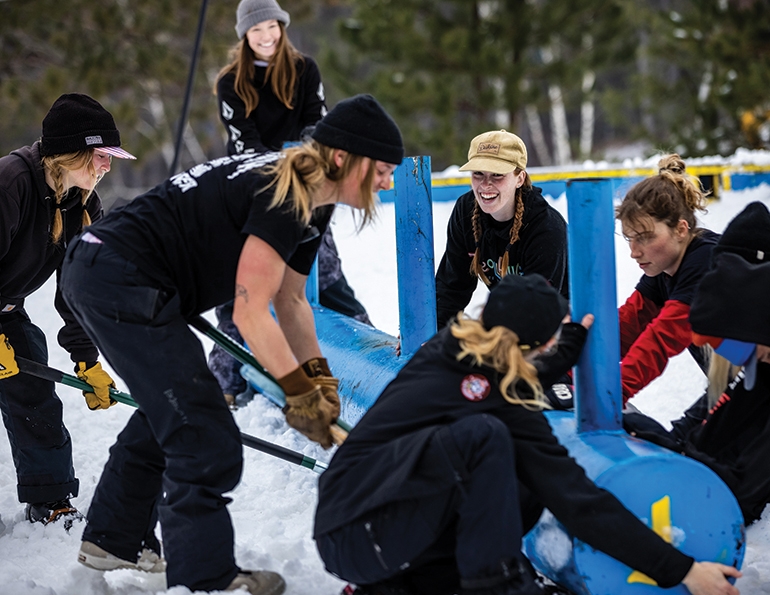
(721, 372)
(58, 166)
(669, 196)
(281, 71)
(499, 349)
(304, 169)
(477, 270)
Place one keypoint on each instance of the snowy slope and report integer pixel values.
(273, 507)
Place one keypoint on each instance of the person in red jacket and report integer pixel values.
(658, 220)
(728, 427)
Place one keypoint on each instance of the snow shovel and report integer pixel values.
(256, 374)
(47, 373)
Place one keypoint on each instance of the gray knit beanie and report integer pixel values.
(253, 12)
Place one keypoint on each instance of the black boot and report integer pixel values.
(51, 512)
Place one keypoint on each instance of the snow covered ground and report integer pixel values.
(273, 506)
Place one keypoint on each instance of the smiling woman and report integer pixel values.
(502, 226)
(270, 94)
(658, 220)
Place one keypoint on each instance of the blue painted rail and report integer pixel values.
(681, 499)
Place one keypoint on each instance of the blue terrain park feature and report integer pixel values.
(680, 499)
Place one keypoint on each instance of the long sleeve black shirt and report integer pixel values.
(541, 248)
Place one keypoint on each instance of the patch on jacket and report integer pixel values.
(475, 387)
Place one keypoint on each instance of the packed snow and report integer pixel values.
(273, 507)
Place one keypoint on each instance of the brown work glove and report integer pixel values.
(317, 369)
(306, 409)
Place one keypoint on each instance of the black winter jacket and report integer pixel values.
(27, 255)
(379, 461)
(541, 248)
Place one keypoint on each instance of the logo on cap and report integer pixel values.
(475, 387)
(491, 148)
(94, 140)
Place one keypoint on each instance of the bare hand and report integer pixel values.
(710, 578)
(587, 321)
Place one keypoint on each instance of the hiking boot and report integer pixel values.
(92, 556)
(51, 512)
(258, 582)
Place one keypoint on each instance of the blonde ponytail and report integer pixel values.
(499, 349)
(303, 171)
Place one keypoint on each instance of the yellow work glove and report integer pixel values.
(306, 409)
(100, 381)
(317, 369)
(8, 365)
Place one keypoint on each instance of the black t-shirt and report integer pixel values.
(681, 285)
(188, 232)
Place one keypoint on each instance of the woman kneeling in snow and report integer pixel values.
(436, 485)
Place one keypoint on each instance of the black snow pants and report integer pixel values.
(476, 522)
(182, 447)
(32, 413)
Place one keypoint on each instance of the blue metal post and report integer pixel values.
(414, 253)
(311, 285)
(598, 400)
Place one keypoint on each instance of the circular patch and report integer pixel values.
(475, 387)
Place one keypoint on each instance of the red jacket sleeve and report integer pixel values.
(667, 335)
(635, 315)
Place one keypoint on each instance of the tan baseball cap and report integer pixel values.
(498, 151)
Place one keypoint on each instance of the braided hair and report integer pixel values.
(476, 268)
(57, 166)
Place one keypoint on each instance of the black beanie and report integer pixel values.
(528, 306)
(748, 234)
(360, 126)
(77, 122)
(731, 301)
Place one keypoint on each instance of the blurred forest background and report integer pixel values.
(577, 79)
